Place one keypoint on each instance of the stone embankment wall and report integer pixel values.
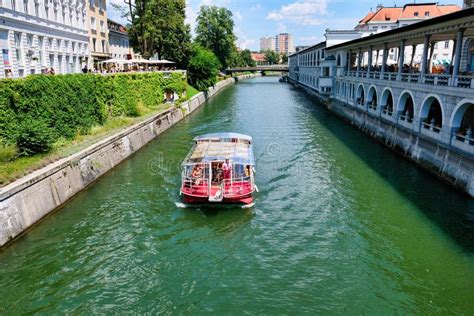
(25, 201)
(447, 163)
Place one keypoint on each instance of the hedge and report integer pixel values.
(38, 110)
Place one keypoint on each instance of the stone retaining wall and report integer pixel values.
(448, 164)
(25, 201)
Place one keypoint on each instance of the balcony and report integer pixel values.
(442, 80)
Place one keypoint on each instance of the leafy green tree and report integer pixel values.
(158, 26)
(246, 57)
(271, 57)
(203, 68)
(284, 58)
(215, 31)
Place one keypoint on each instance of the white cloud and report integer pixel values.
(303, 12)
(238, 16)
(256, 7)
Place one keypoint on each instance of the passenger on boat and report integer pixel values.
(247, 171)
(227, 169)
(197, 175)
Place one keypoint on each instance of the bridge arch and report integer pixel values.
(463, 117)
(360, 95)
(406, 105)
(432, 112)
(387, 101)
(372, 97)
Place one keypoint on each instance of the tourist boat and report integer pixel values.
(219, 168)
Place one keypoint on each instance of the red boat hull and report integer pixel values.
(203, 200)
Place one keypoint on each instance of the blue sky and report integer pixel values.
(306, 20)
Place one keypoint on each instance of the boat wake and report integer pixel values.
(184, 205)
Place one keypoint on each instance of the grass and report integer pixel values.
(13, 167)
(191, 91)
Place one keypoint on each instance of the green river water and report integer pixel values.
(341, 225)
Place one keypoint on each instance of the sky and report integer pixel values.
(306, 20)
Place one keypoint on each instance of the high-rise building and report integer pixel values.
(267, 43)
(284, 43)
(40, 34)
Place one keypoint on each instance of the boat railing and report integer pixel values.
(195, 184)
(231, 190)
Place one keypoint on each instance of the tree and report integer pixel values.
(203, 68)
(271, 57)
(215, 31)
(284, 58)
(246, 57)
(158, 26)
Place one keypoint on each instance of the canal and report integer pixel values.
(341, 225)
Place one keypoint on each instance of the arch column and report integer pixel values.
(457, 57)
(401, 59)
(359, 57)
(369, 61)
(384, 59)
(424, 58)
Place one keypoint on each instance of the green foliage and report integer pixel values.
(38, 110)
(34, 136)
(271, 57)
(203, 68)
(246, 56)
(284, 58)
(215, 31)
(158, 26)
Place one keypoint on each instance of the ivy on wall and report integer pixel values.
(38, 110)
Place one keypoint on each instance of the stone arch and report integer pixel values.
(372, 97)
(469, 53)
(432, 113)
(360, 95)
(387, 101)
(406, 105)
(462, 120)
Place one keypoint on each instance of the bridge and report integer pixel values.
(279, 68)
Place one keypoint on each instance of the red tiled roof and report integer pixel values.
(367, 17)
(427, 11)
(257, 57)
(386, 14)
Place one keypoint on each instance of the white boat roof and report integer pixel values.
(221, 146)
(224, 135)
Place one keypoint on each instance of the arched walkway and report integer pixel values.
(360, 97)
(387, 102)
(406, 107)
(462, 122)
(372, 98)
(432, 115)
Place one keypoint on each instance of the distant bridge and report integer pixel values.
(279, 68)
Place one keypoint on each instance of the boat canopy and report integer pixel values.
(220, 146)
(222, 136)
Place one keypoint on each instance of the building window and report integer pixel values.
(446, 44)
(25, 6)
(93, 23)
(41, 50)
(13, 4)
(46, 9)
(55, 14)
(415, 14)
(427, 13)
(102, 26)
(103, 46)
(94, 43)
(37, 10)
(18, 50)
(92, 3)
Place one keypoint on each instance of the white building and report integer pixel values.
(267, 43)
(36, 34)
(119, 46)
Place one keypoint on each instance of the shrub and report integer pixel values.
(39, 109)
(34, 136)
